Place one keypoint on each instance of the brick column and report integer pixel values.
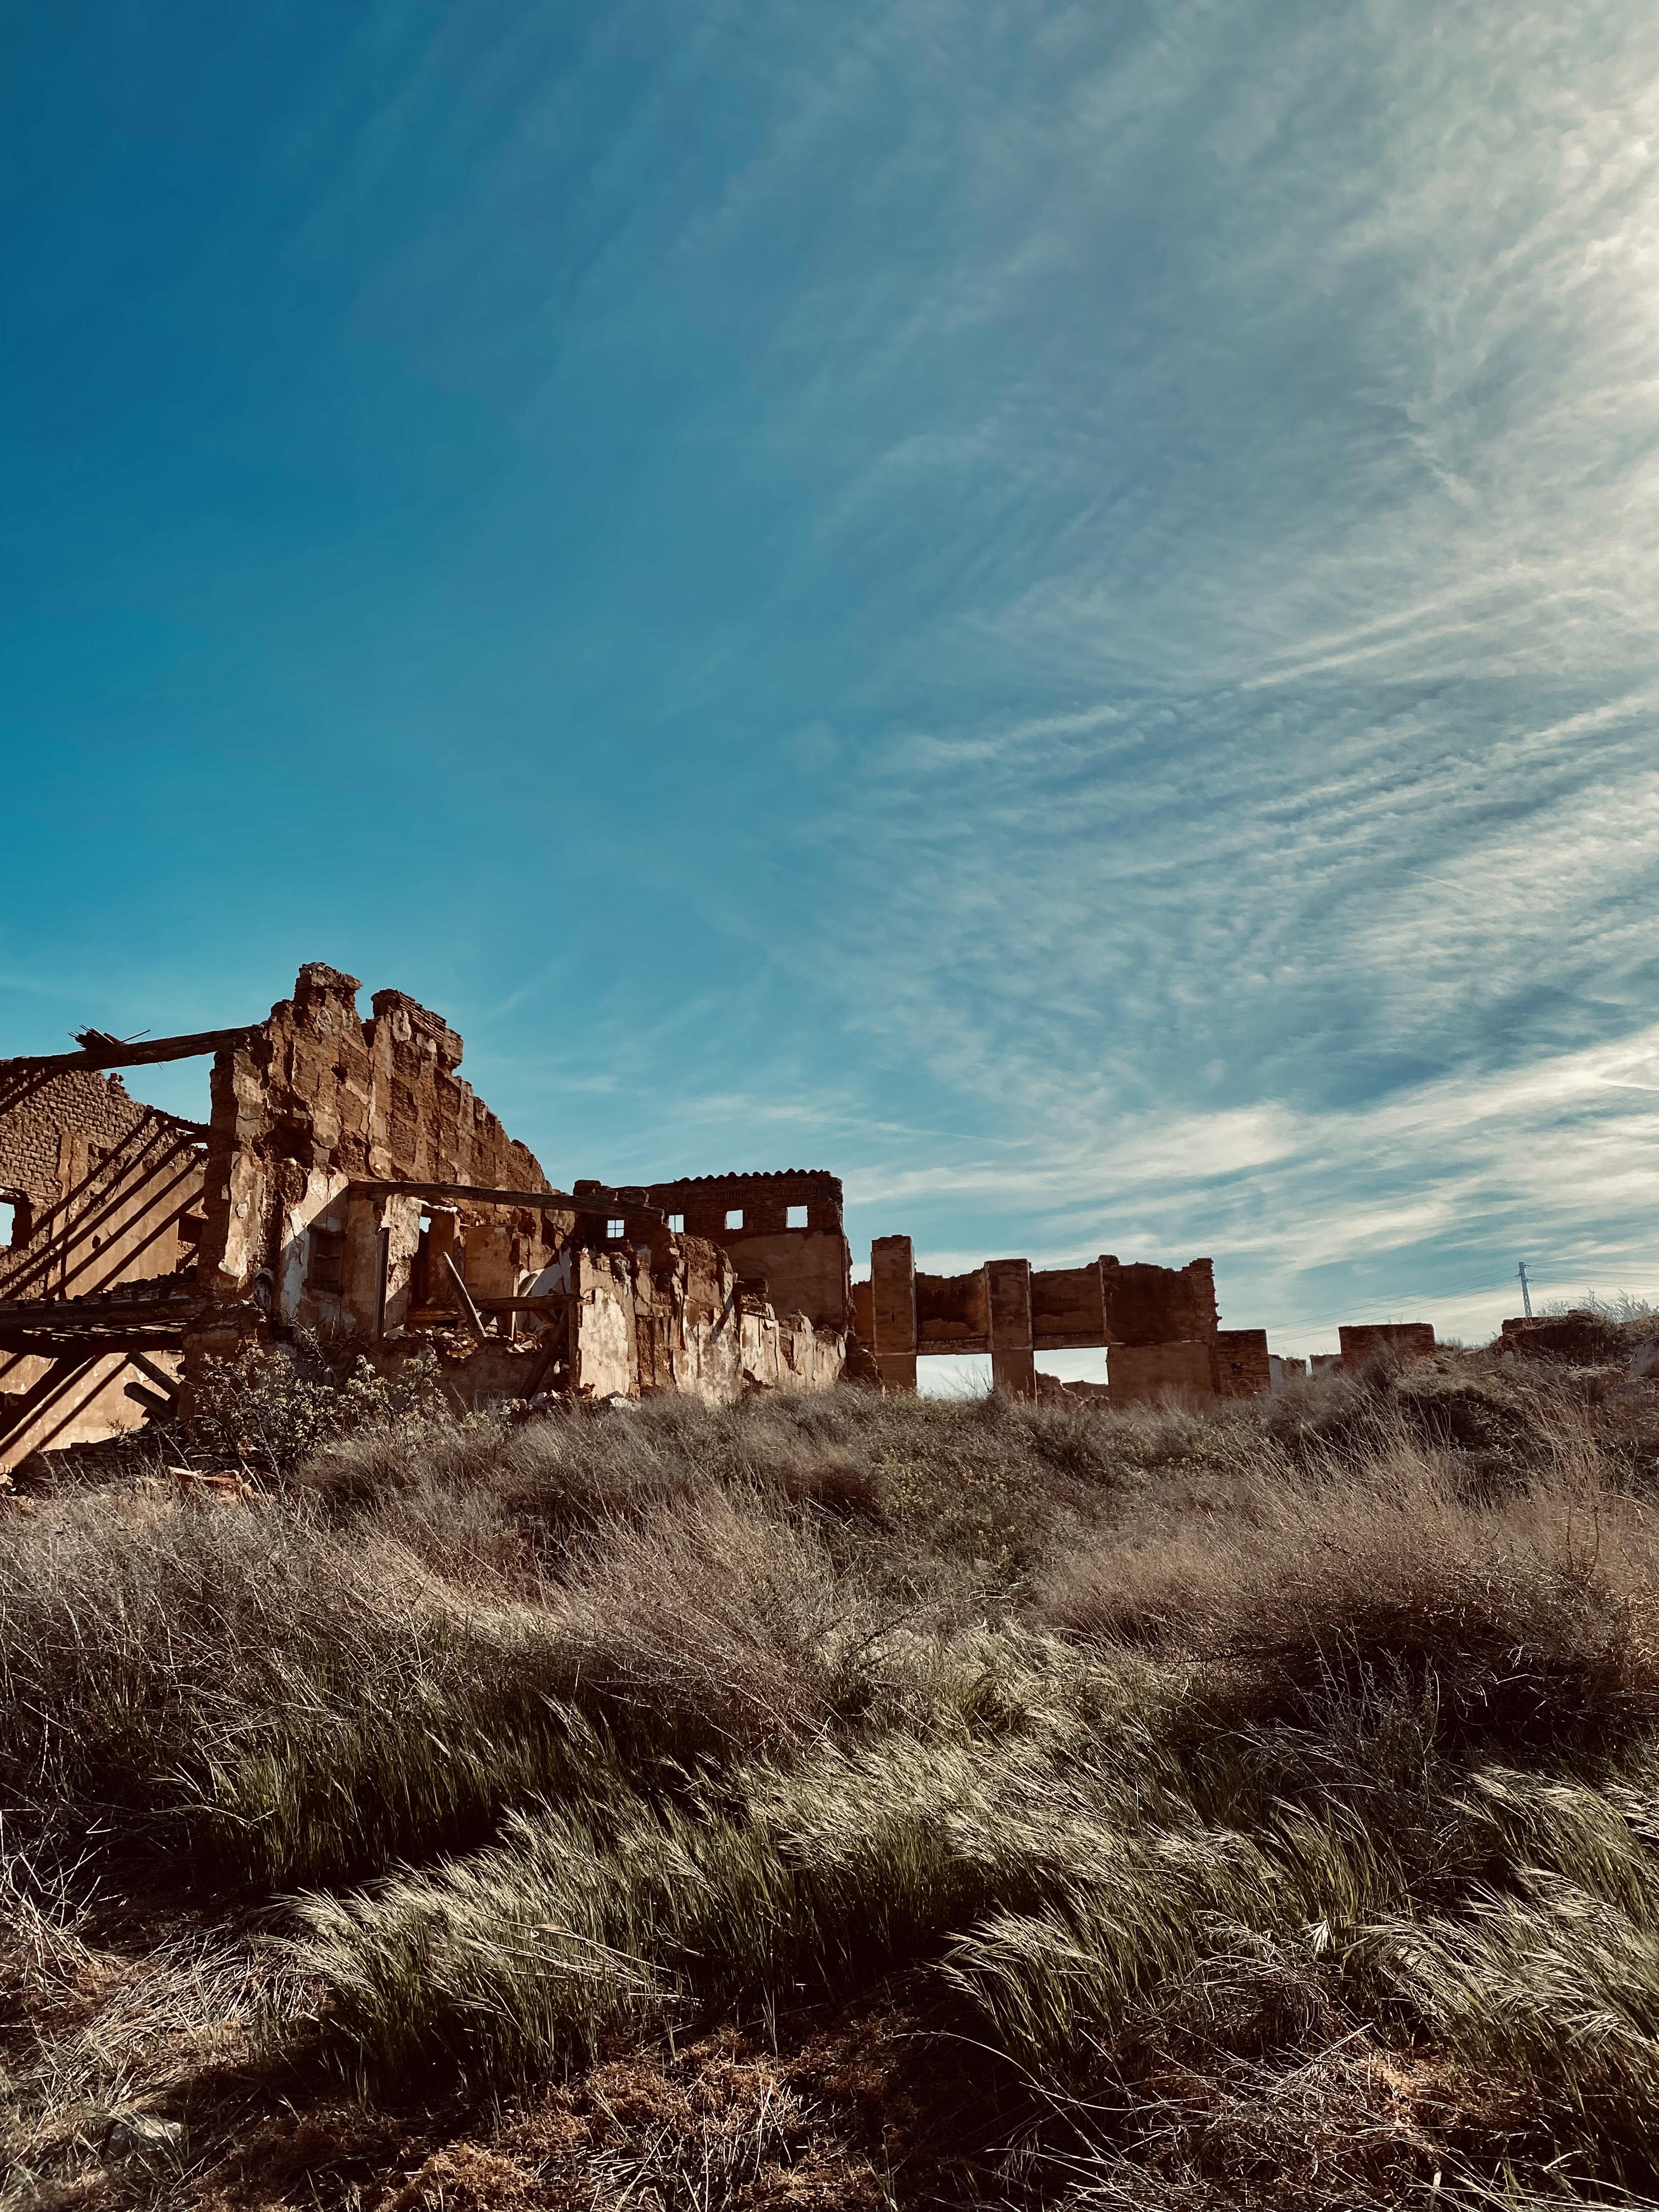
(1013, 1364)
(893, 1309)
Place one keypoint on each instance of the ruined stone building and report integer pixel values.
(1158, 1325)
(349, 1182)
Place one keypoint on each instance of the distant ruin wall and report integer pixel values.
(805, 1263)
(1580, 1338)
(1013, 1311)
(1146, 1305)
(1147, 1374)
(1395, 1340)
(1240, 1367)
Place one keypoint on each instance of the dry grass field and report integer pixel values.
(841, 1801)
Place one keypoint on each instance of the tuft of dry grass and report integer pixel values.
(1253, 1807)
(1529, 1619)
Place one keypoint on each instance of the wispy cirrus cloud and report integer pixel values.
(1055, 609)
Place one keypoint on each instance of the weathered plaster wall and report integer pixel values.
(673, 1316)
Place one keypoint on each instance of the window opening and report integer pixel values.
(614, 1230)
(326, 1270)
(676, 1223)
(734, 1218)
(796, 1218)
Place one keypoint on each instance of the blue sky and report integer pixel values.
(1053, 608)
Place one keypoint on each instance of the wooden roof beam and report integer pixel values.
(613, 1204)
(100, 1051)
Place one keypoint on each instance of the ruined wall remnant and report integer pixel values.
(1013, 1311)
(317, 1099)
(349, 1182)
(106, 1195)
(675, 1316)
(1145, 1374)
(1396, 1339)
(893, 1321)
(1580, 1338)
(352, 1184)
(783, 1229)
(1240, 1364)
(1157, 1305)
(356, 1176)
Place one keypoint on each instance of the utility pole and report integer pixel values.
(1526, 1295)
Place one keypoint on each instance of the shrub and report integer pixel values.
(274, 1406)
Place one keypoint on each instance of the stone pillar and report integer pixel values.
(1013, 1363)
(893, 1311)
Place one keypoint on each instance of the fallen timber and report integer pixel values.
(86, 1328)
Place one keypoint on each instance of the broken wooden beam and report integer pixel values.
(88, 1327)
(90, 1343)
(546, 1302)
(557, 1344)
(111, 1052)
(165, 1384)
(474, 1319)
(152, 1401)
(614, 1204)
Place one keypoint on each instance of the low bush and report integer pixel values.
(270, 1410)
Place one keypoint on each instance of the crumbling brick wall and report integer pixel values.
(1145, 1374)
(54, 1131)
(1147, 1306)
(1580, 1338)
(1012, 1310)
